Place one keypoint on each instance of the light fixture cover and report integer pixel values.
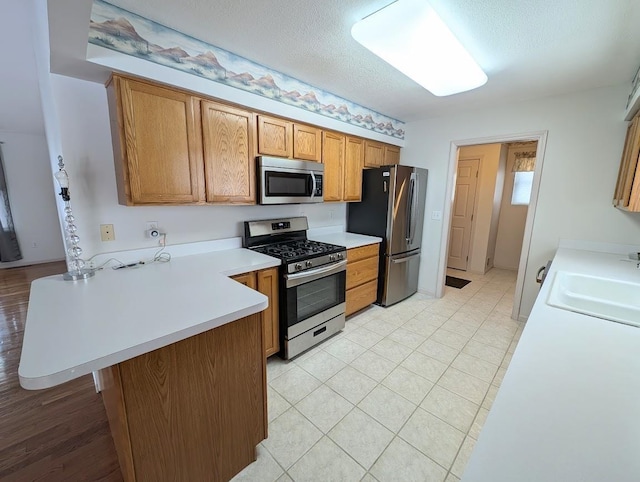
(409, 35)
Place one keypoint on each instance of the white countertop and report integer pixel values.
(569, 406)
(349, 240)
(74, 328)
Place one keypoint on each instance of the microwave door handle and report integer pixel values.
(313, 184)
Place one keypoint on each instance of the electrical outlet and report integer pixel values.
(436, 215)
(107, 233)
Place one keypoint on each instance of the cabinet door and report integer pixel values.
(229, 160)
(247, 279)
(162, 144)
(391, 155)
(354, 163)
(268, 286)
(623, 196)
(307, 143)
(275, 137)
(373, 153)
(333, 158)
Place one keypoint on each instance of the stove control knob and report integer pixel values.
(340, 256)
(332, 257)
(298, 266)
(308, 264)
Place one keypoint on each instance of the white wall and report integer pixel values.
(32, 198)
(484, 226)
(86, 143)
(29, 179)
(496, 206)
(585, 137)
(512, 219)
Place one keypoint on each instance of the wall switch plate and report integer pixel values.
(107, 233)
(436, 215)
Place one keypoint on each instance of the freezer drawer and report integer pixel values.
(401, 277)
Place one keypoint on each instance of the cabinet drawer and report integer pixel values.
(359, 272)
(361, 296)
(354, 254)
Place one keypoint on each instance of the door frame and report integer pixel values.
(541, 138)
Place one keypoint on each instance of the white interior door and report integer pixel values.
(462, 215)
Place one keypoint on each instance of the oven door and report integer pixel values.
(313, 297)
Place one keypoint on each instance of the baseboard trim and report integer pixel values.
(24, 263)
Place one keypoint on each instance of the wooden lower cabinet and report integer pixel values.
(361, 296)
(362, 277)
(193, 410)
(266, 282)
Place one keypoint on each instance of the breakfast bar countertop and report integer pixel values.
(569, 406)
(74, 328)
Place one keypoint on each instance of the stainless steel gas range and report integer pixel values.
(312, 281)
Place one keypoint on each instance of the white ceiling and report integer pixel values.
(528, 49)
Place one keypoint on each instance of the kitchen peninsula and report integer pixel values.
(179, 351)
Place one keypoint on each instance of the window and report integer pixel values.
(522, 184)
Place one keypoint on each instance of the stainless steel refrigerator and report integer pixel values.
(392, 208)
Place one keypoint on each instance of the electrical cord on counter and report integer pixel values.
(161, 257)
(158, 257)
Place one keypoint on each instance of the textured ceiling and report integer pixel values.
(528, 49)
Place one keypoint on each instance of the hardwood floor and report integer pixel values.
(46, 435)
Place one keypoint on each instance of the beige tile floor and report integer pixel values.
(401, 394)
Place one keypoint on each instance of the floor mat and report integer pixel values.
(456, 282)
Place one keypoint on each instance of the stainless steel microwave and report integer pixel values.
(288, 181)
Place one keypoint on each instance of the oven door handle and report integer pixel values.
(296, 279)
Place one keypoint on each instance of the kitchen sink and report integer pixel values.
(605, 298)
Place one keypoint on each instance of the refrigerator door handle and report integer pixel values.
(413, 207)
(409, 219)
(405, 259)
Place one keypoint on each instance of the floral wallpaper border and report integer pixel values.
(122, 31)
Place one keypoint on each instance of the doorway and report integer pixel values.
(453, 209)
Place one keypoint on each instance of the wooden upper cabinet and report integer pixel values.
(627, 192)
(353, 166)
(229, 156)
(391, 155)
(333, 155)
(283, 138)
(307, 143)
(275, 137)
(157, 144)
(373, 153)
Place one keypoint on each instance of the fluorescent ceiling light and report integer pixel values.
(409, 35)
